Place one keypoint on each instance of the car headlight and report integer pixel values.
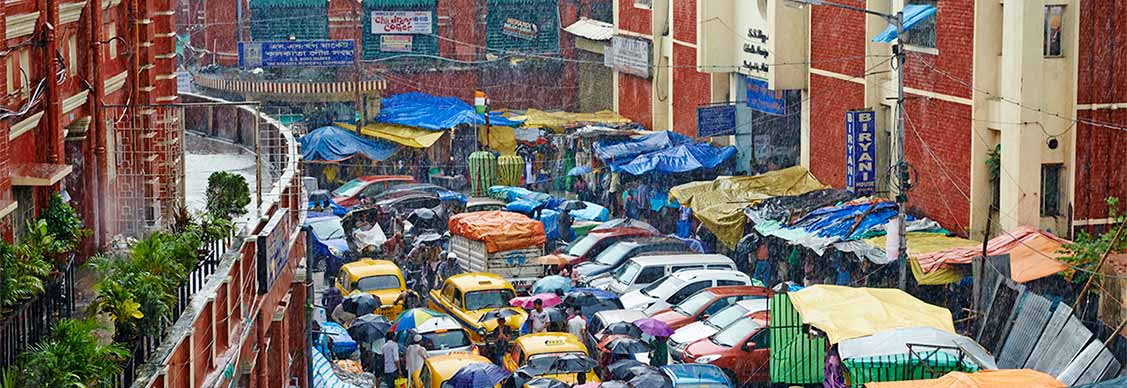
(335, 251)
(708, 359)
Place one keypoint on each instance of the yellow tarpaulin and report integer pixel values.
(1002, 378)
(408, 136)
(925, 242)
(534, 118)
(719, 203)
(500, 139)
(851, 312)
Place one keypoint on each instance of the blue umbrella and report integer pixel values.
(475, 375)
(552, 284)
(579, 170)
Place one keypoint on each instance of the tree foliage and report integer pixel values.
(1084, 252)
(72, 358)
(227, 195)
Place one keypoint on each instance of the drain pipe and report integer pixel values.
(99, 138)
(308, 232)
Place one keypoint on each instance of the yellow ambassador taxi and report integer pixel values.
(436, 370)
(542, 349)
(468, 297)
(381, 278)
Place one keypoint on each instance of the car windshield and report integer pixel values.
(579, 247)
(380, 282)
(691, 306)
(664, 286)
(445, 339)
(545, 362)
(625, 274)
(732, 335)
(349, 189)
(725, 317)
(612, 255)
(328, 229)
(488, 299)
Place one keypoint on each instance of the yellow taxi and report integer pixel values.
(381, 278)
(469, 297)
(436, 370)
(542, 349)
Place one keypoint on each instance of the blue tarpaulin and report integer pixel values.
(840, 221)
(913, 15)
(513, 193)
(434, 113)
(334, 144)
(681, 158)
(593, 212)
(623, 150)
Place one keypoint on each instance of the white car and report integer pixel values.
(441, 335)
(639, 272)
(693, 332)
(675, 287)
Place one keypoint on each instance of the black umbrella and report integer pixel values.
(651, 380)
(621, 369)
(361, 304)
(624, 328)
(544, 382)
(573, 205)
(572, 363)
(580, 299)
(499, 313)
(556, 314)
(369, 327)
(429, 238)
(421, 216)
(639, 370)
(614, 384)
(627, 346)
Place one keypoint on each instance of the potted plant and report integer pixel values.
(21, 276)
(64, 224)
(73, 357)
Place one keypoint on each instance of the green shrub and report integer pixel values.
(227, 195)
(64, 223)
(73, 357)
(21, 276)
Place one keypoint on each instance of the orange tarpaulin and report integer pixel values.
(501, 231)
(1003, 378)
(1033, 254)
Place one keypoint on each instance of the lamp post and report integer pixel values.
(901, 171)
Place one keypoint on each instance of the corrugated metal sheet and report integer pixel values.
(1065, 348)
(1026, 331)
(1104, 365)
(1000, 316)
(591, 29)
(1056, 323)
(1072, 372)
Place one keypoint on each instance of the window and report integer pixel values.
(111, 33)
(448, 292)
(1050, 190)
(25, 71)
(679, 268)
(719, 305)
(25, 209)
(488, 299)
(72, 55)
(1054, 21)
(721, 283)
(647, 4)
(688, 290)
(923, 33)
(721, 267)
(457, 298)
(381, 282)
(761, 339)
(650, 275)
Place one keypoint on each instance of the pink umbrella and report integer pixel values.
(548, 299)
(654, 327)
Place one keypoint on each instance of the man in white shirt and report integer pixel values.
(539, 317)
(576, 325)
(414, 358)
(390, 351)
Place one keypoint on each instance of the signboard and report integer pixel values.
(716, 120)
(297, 53)
(402, 22)
(395, 43)
(629, 55)
(860, 152)
(273, 249)
(520, 29)
(765, 100)
(753, 27)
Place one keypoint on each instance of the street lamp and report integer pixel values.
(901, 171)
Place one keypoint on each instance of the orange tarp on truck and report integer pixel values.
(501, 231)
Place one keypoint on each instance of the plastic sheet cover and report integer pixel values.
(403, 135)
(850, 312)
(621, 151)
(434, 113)
(1006, 378)
(500, 230)
(335, 144)
(893, 342)
(557, 121)
(679, 158)
(1033, 254)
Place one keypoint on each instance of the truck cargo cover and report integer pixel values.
(500, 230)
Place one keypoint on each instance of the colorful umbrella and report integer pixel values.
(552, 284)
(654, 327)
(413, 318)
(528, 302)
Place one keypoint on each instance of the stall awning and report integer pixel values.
(591, 29)
(38, 174)
(1033, 253)
(408, 136)
(849, 312)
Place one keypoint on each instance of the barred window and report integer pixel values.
(923, 33)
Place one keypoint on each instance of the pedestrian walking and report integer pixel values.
(500, 341)
(539, 317)
(414, 358)
(660, 355)
(577, 325)
(390, 351)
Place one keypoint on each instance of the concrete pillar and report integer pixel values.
(1021, 143)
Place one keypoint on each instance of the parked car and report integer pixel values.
(350, 194)
(381, 278)
(438, 369)
(542, 349)
(587, 247)
(612, 257)
(696, 376)
(703, 304)
(741, 350)
(676, 287)
(401, 189)
(330, 243)
(468, 297)
(480, 204)
(640, 271)
(695, 331)
(602, 319)
(441, 335)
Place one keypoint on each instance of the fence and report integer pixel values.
(147, 176)
(32, 321)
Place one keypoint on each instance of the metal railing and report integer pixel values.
(32, 321)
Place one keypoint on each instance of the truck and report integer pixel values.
(499, 242)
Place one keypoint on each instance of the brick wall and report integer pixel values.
(634, 99)
(941, 176)
(692, 89)
(685, 20)
(634, 19)
(837, 34)
(830, 98)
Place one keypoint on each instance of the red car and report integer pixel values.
(351, 193)
(741, 350)
(703, 304)
(583, 249)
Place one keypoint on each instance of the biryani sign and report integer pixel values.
(520, 29)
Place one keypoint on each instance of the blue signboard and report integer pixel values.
(860, 152)
(763, 99)
(716, 120)
(296, 53)
(272, 249)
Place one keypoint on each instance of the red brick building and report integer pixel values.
(56, 80)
